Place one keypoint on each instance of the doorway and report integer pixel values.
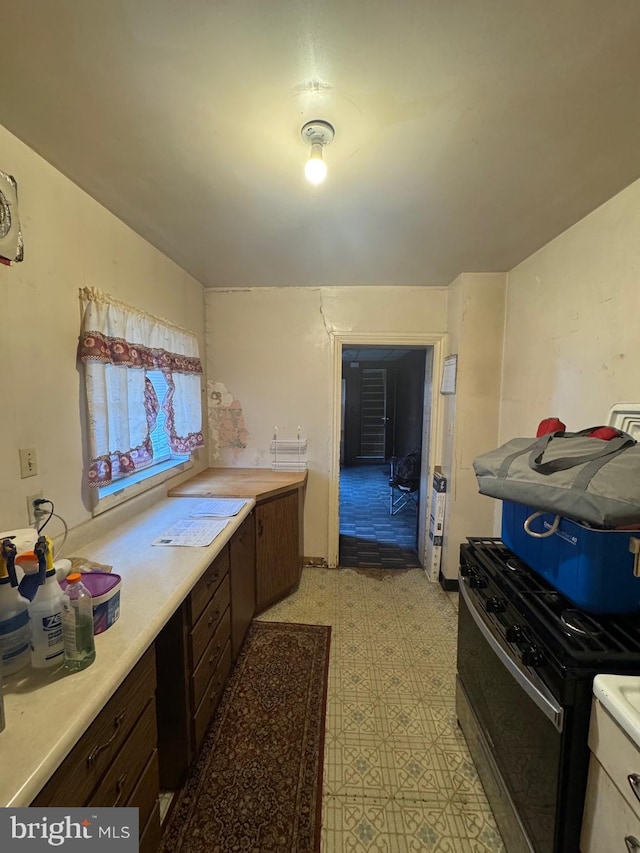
(383, 391)
(434, 347)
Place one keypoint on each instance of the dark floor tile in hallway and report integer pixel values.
(369, 535)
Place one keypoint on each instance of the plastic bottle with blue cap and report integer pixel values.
(15, 630)
(45, 611)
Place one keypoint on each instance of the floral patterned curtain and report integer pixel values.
(118, 344)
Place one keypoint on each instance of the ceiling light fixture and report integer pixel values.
(317, 134)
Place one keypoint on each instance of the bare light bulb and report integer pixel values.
(315, 169)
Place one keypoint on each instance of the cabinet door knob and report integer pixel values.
(95, 752)
(633, 845)
(634, 782)
(120, 787)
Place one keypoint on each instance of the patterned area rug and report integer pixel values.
(257, 785)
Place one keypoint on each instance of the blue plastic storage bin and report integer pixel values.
(593, 568)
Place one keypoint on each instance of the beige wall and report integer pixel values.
(475, 321)
(572, 346)
(271, 350)
(70, 241)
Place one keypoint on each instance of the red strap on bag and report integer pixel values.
(550, 425)
(606, 433)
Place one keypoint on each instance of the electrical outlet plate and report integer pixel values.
(30, 507)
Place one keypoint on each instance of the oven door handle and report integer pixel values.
(539, 694)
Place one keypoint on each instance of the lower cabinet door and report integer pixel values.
(151, 833)
(277, 549)
(120, 779)
(242, 568)
(211, 697)
(146, 792)
(609, 823)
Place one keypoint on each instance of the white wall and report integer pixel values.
(476, 311)
(70, 241)
(572, 343)
(271, 350)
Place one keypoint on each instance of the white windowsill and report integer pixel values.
(137, 484)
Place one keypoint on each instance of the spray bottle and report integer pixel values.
(45, 611)
(15, 632)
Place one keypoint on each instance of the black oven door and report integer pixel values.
(520, 724)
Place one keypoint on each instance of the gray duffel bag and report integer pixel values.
(568, 474)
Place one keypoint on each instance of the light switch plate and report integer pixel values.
(28, 462)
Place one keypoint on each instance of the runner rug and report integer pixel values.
(257, 784)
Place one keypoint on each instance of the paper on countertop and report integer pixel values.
(220, 507)
(191, 533)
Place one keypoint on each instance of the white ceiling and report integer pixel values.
(468, 132)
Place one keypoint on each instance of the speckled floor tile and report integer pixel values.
(398, 777)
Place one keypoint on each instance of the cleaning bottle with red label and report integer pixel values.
(15, 631)
(45, 611)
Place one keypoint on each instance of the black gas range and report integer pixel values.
(526, 662)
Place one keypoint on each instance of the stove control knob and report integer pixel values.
(531, 656)
(477, 582)
(514, 634)
(465, 570)
(495, 605)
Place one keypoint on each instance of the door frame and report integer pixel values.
(431, 450)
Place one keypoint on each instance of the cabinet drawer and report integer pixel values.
(120, 779)
(146, 792)
(207, 585)
(210, 658)
(212, 695)
(208, 622)
(608, 820)
(618, 755)
(78, 775)
(151, 834)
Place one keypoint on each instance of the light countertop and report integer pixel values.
(257, 483)
(620, 695)
(47, 711)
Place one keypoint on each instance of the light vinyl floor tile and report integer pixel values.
(397, 774)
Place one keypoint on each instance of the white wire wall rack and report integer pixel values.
(289, 454)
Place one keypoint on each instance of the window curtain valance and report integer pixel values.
(118, 345)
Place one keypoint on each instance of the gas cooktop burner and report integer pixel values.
(580, 623)
(516, 565)
(514, 593)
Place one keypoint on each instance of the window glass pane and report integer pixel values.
(159, 441)
(159, 438)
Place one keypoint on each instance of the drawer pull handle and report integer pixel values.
(633, 845)
(213, 578)
(214, 655)
(634, 781)
(260, 527)
(213, 618)
(95, 752)
(120, 787)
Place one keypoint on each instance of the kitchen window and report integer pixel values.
(143, 393)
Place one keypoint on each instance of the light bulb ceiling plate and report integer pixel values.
(317, 131)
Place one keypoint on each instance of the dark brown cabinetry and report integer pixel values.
(242, 568)
(278, 560)
(193, 653)
(115, 762)
(279, 497)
